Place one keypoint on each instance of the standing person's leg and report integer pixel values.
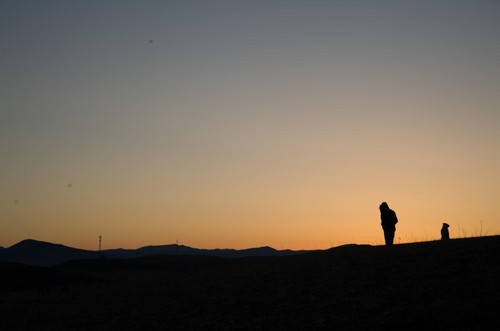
(391, 239)
(389, 236)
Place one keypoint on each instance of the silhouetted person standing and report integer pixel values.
(445, 234)
(389, 220)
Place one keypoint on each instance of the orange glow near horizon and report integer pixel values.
(248, 124)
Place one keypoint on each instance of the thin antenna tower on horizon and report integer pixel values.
(100, 238)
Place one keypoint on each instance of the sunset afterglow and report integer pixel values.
(237, 124)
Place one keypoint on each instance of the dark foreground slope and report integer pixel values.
(450, 285)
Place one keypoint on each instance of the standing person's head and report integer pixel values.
(383, 206)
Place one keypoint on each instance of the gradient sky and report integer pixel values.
(247, 123)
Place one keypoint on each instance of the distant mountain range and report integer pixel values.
(40, 253)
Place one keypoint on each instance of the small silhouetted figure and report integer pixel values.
(389, 220)
(445, 234)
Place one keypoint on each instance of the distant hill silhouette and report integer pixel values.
(39, 253)
(186, 250)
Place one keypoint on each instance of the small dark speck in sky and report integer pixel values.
(15, 201)
(69, 185)
(150, 41)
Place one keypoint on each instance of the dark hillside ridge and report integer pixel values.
(39, 253)
(438, 285)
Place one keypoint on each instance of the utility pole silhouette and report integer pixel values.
(100, 238)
